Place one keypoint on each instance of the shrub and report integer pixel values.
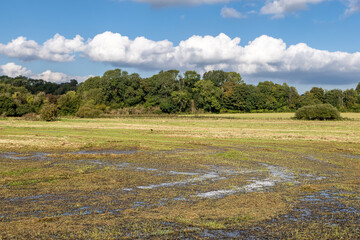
(318, 112)
(48, 112)
(88, 112)
(30, 117)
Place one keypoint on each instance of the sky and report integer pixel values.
(304, 43)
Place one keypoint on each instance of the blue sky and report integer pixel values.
(302, 42)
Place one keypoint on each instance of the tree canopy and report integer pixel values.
(168, 92)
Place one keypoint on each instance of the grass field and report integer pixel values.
(260, 176)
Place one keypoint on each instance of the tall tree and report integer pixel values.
(318, 93)
(207, 96)
(335, 98)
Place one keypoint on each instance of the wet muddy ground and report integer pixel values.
(244, 192)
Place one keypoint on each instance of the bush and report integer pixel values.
(48, 112)
(88, 112)
(318, 112)
(30, 117)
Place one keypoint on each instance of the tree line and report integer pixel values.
(118, 92)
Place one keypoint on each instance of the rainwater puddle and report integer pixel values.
(82, 211)
(276, 175)
(351, 156)
(115, 152)
(32, 156)
(221, 234)
(318, 205)
(207, 176)
(314, 159)
(34, 198)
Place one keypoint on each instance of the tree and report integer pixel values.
(190, 79)
(159, 87)
(207, 96)
(181, 99)
(48, 112)
(7, 106)
(358, 88)
(217, 77)
(266, 98)
(335, 98)
(134, 93)
(68, 104)
(350, 100)
(318, 93)
(308, 98)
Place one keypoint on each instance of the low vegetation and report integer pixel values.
(318, 112)
(242, 176)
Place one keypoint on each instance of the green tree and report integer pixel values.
(358, 88)
(181, 100)
(207, 96)
(190, 79)
(308, 98)
(7, 106)
(318, 93)
(335, 97)
(350, 100)
(266, 98)
(48, 112)
(217, 77)
(68, 104)
(159, 87)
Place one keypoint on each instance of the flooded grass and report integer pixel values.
(189, 178)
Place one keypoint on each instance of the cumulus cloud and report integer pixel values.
(166, 3)
(57, 49)
(13, 70)
(262, 56)
(204, 52)
(120, 50)
(265, 56)
(57, 77)
(231, 13)
(60, 49)
(278, 8)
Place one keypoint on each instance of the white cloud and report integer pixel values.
(57, 77)
(202, 52)
(60, 49)
(231, 13)
(21, 48)
(265, 56)
(353, 6)
(278, 8)
(57, 49)
(166, 3)
(14, 70)
(120, 50)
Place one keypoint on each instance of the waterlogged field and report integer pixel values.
(246, 176)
